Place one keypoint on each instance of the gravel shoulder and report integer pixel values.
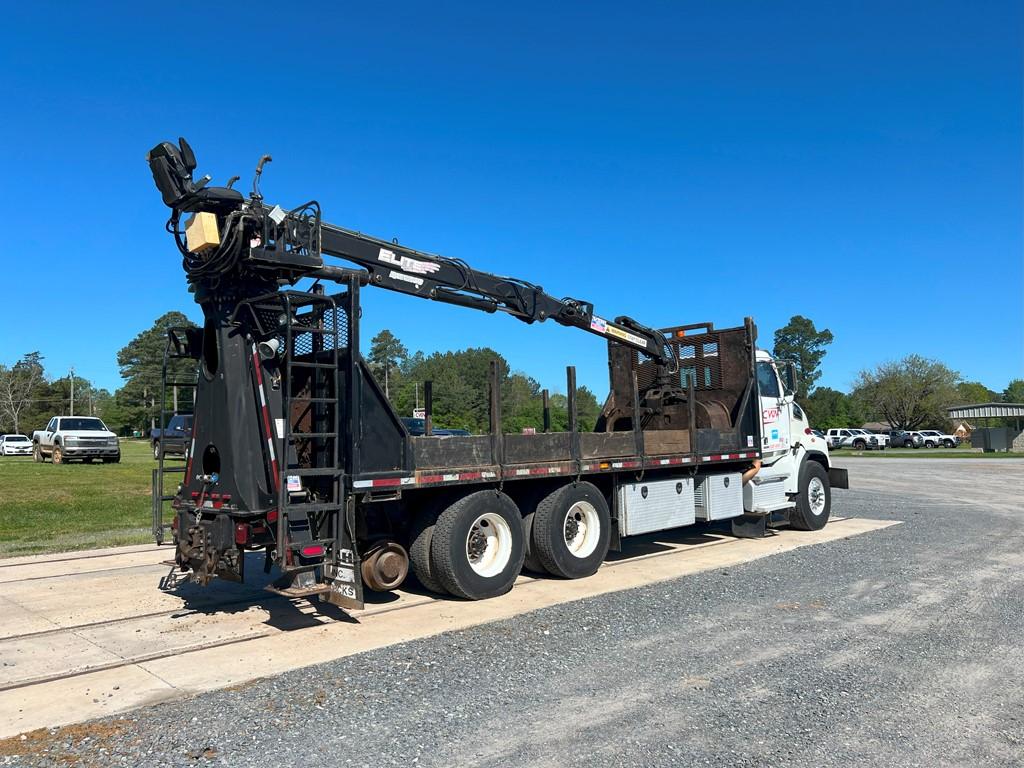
(899, 647)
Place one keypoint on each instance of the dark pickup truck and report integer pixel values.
(176, 439)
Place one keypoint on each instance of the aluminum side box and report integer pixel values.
(719, 496)
(655, 506)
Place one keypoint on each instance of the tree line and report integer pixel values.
(460, 383)
(30, 395)
(910, 393)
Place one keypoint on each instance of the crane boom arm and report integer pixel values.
(275, 244)
(439, 278)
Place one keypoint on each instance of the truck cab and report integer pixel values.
(795, 465)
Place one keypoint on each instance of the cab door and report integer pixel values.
(775, 440)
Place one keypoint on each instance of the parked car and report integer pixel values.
(418, 427)
(176, 439)
(857, 439)
(75, 437)
(902, 439)
(15, 445)
(881, 439)
(819, 434)
(933, 439)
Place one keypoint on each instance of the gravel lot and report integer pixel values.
(900, 647)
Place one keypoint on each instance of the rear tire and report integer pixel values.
(420, 536)
(477, 545)
(571, 531)
(37, 454)
(530, 560)
(157, 453)
(814, 502)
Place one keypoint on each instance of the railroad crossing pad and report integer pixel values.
(90, 634)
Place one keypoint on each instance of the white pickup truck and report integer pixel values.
(69, 438)
(858, 439)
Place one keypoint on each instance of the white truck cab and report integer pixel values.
(796, 474)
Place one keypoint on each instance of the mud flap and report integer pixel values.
(838, 478)
(749, 526)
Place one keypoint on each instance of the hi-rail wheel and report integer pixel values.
(477, 545)
(571, 531)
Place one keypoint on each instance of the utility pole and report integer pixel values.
(72, 374)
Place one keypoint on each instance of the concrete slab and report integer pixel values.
(184, 651)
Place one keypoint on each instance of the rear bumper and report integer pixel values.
(838, 478)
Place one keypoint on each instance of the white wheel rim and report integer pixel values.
(489, 545)
(816, 496)
(582, 529)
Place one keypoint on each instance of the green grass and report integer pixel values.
(47, 508)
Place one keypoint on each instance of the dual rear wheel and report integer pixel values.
(476, 546)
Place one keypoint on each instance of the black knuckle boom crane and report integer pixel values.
(295, 450)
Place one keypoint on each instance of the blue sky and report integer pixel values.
(858, 163)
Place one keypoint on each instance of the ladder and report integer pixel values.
(309, 481)
(178, 347)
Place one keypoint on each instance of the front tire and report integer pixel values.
(157, 453)
(571, 531)
(814, 502)
(477, 545)
(948, 444)
(57, 457)
(859, 445)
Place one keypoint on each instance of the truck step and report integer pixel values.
(310, 507)
(297, 591)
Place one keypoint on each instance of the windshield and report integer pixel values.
(16, 439)
(85, 425)
(415, 423)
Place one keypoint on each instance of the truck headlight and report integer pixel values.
(112, 442)
(70, 441)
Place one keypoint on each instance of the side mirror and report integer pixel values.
(789, 377)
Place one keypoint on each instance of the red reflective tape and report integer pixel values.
(430, 479)
(470, 475)
(387, 482)
(312, 551)
(266, 420)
